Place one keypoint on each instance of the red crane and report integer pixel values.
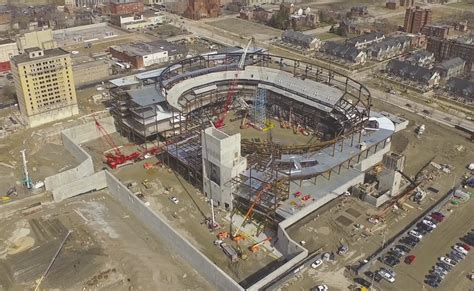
(232, 89)
(117, 158)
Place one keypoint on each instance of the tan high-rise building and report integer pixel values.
(44, 85)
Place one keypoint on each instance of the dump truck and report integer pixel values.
(230, 251)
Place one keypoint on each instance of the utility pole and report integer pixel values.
(25, 170)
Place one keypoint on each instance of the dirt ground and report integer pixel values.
(278, 134)
(107, 250)
(243, 27)
(188, 216)
(341, 219)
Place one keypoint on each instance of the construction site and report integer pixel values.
(242, 164)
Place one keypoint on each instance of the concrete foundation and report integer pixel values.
(173, 239)
(80, 179)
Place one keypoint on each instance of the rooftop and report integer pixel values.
(145, 96)
(137, 49)
(452, 63)
(365, 38)
(6, 41)
(51, 53)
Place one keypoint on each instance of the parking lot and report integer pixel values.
(457, 222)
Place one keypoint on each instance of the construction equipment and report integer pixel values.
(244, 123)
(241, 253)
(117, 158)
(258, 197)
(232, 89)
(238, 238)
(255, 248)
(222, 235)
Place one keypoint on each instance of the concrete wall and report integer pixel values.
(73, 181)
(152, 220)
(88, 183)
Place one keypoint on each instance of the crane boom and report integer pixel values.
(232, 88)
(258, 197)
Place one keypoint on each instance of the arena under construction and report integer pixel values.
(267, 138)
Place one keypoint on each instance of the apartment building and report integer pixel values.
(44, 85)
(450, 48)
(416, 18)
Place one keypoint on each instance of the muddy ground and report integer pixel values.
(107, 250)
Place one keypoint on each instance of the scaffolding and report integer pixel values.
(259, 109)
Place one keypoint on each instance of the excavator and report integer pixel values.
(255, 248)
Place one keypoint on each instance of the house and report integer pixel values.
(364, 40)
(388, 48)
(462, 88)
(300, 39)
(258, 14)
(304, 17)
(358, 11)
(421, 58)
(460, 26)
(345, 52)
(407, 71)
(451, 68)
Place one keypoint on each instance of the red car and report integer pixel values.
(437, 216)
(410, 259)
(466, 246)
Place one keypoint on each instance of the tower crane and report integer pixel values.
(232, 88)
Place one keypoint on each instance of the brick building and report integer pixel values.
(8, 49)
(125, 6)
(198, 9)
(391, 4)
(407, 3)
(445, 49)
(416, 18)
(441, 31)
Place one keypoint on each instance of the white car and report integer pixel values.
(386, 276)
(415, 234)
(446, 260)
(322, 288)
(460, 249)
(174, 200)
(429, 223)
(316, 263)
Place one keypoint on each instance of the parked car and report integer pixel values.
(429, 223)
(398, 250)
(373, 276)
(390, 271)
(316, 263)
(322, 287)
(446, 260)
(385, 275)
(415, 234)
(403, 248)
(395, 253)
(391, 261)
(460, 249)
(409, 241)
(363, 282)
(445, 266)
(174, 200)
(437, 216)
(410, 259)
(465, 246)
(441, 270)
